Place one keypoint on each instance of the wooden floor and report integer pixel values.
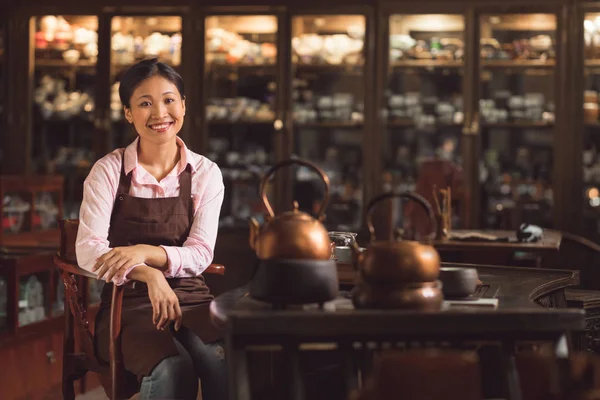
(96, 394)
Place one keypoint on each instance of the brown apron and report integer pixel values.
(159, 221)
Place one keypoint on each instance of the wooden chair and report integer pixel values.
(441, 174)
(423, 374)
(76, 365)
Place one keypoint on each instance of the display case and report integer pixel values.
(240, 102)
(64, 65)
(471, 83)
(2, 81)
(517, 118)
(4, 279)
(135, 38)
(422, 104)
(328, 103)
(29, 290)
(30, 208)
(591, 125)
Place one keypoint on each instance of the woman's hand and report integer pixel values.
(165, 304)
(118, 261)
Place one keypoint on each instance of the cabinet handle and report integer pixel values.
(278, 125)
(51, 357)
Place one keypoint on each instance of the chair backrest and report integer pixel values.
(441, 174)
(424, 374)
(75, 281)
(580, 254)
(68, 236)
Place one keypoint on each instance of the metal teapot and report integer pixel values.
(291, 235)
(396, 261)
(295, 252)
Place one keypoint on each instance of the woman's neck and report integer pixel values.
(158, 159)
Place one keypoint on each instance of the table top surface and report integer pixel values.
(550, 242)
(515, 289)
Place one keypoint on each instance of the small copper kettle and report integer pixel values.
(291, 234)
(396, 261)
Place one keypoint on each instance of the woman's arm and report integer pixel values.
(99, 191)
(197, 251)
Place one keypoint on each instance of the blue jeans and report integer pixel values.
(176, 377)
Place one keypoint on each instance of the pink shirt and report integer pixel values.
(100, 190)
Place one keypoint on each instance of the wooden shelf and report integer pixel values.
(348, 68)
(518, 63)
(427, 64)
(592, 63)
(484, 63)
(241, 122)
(533, 124)
(410, 123)
(49, 63)
(329, 125)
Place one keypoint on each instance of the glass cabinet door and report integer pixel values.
(423, 102)
(516, 112)
(328, 113)
(135, 38)
(591, 136)
(2, 78)
(3, 300)
(240, 85)
(34, 298)
(66, 50)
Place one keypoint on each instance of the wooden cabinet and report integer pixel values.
(35, 367)
(367, 92)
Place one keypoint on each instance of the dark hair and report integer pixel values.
(145, 69)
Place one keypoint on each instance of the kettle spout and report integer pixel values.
(357, 255)
(254, 230)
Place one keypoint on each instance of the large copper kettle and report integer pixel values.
(294, 250)
(292, 234)
(396, 261)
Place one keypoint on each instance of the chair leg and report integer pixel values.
(68, 389)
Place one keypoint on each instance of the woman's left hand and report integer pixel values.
(118, 261)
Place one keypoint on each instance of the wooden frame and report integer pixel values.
(30, 186)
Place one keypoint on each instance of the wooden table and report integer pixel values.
(251, 323)
(498, 253)
(549, 243)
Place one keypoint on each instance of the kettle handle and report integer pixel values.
(405, 195)
(285, 163)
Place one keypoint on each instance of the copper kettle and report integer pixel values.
(292, 234)
(396, 261)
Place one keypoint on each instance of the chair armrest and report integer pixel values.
(71, 268)
(216, 269)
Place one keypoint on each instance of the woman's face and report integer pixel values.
(157, 110)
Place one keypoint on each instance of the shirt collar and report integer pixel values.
(131, 156)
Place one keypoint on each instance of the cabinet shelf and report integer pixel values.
(240, 122)
(484, 63)
(329, 125)
(410, 123)
(523, 124)
(516, 64)
(216, 68)
(427, 64)
(50, 63)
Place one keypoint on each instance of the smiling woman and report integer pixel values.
(150, 213)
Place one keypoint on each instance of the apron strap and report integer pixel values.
(185, 191)
(124, 179)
